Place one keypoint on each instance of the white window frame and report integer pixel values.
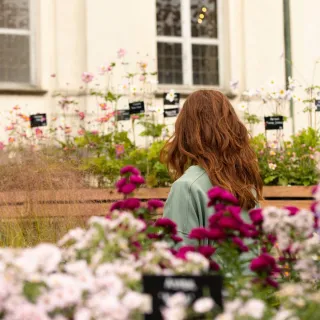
(186, 40)
(32, 46)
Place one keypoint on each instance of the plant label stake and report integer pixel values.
(123, 115)
(160, 288)
(38, 120)
(317, 103)
(169, 113)
(175, 101)
(136, 107)
(273, 123)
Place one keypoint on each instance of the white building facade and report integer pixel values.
(45, 46)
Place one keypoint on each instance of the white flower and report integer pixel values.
(203, 305)
(234, 84)
(134, 90)
(272, 82)
(177, 313)
(178, 299)
(224, 316)
(170, 95)
(253, 308)
(284, 315)
(272, 166)
(242, 106)
(233, 306)
(83, 314)
(198, 258)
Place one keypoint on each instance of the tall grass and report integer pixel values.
(26, 174)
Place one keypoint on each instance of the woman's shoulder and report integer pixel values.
(194, 178)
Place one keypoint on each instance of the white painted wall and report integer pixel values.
(79, 35)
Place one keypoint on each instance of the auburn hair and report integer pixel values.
(209, 133)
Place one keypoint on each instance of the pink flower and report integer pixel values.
(38, 132)
(81, 115)
(116, 206)
(218, 194)
(137, 179)
(214, 266)
(264, 263)
(81, 132)
(127, 188)
(198, 233)
(168, 224)
(256, 216)
(2, 145)
(131, 204)
(87, 77)
(142, 78)
(293, 210)
(121, 183)
(216, 234)
(154, 204)
(176, 238)
(119, 150)
(130, 169)
(181, 254)
(207, 251)
(95, 132)
(239, 243)
(121, 53)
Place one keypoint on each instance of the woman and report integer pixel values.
(210, 147)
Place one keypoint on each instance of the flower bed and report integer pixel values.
(270, 264)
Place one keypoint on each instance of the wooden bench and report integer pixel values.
(90, 202)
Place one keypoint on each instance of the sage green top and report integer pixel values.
(187, 203)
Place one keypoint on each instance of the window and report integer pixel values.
(188, 42)
(15, 41)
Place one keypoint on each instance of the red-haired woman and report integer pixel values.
(210, 147)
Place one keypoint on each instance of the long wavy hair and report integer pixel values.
(209, 133)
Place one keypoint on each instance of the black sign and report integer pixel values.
(317, 105)
(136, 107)
(38, 120)
(168, 113)
(273, 123)
(175, 101)
(160, 288)
(123, 115)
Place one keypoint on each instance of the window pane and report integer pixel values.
(170, 63)
(204, 22)
(205, 64)
(14, 58)
(168, 18)
(14, 14)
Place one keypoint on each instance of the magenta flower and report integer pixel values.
(214, 266)
(127, 188)
(154, 204)
(198, 233)
(214, 219)
(131, 204)
(264, 263)
(235, 213)
(207, 251)
(130, 169)
(293, 210)
(272, 238)
(168, 224)
(137, 179)
(239, 243)
(256, 216)
(116, 205)
(216, 234)
(218, 194)
(176, 238)
(272, 282)
(181, 254)
(87, 77)
(229, 223)
(121, 183)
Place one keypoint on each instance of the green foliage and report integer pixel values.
(291, 162)
(251, 118)
(151, 129)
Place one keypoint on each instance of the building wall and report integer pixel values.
(79, 35)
